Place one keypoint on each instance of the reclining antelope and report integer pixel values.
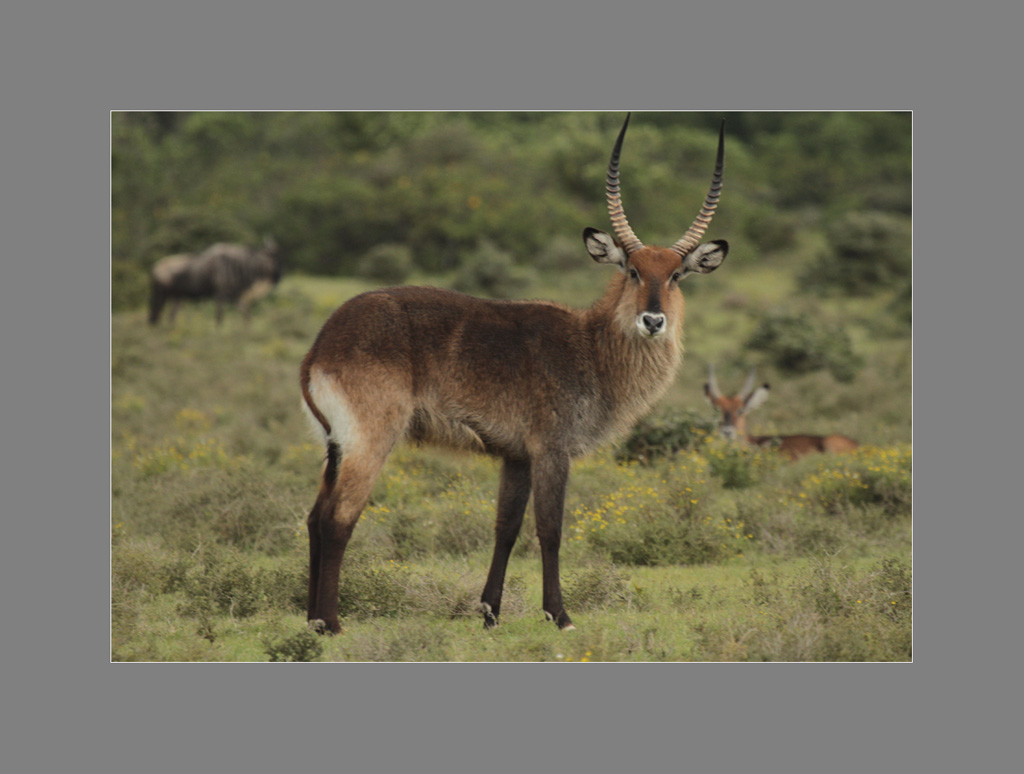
(533, 383)
(734, 421)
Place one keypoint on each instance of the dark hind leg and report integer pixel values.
(327, 486)
(335, 520)
(513, 494)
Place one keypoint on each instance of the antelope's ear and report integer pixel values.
(756, 399)
(705, 258)
(602, 247)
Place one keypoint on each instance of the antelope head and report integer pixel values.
(651, 298)
(736, 407)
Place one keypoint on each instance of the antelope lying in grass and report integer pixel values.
(734, 421)
(533, 383)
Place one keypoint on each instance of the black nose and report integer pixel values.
(654, 322)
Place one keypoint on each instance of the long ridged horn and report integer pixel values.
(693, 236)
(622, 230)
(748, 386)
(712, 384)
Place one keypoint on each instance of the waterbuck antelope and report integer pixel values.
(734, 421)
(227, 273)
(531, 382)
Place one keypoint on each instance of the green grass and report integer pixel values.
(712, 553)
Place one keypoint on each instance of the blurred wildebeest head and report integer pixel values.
(227, 273)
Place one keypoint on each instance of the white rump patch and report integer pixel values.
(331, 402)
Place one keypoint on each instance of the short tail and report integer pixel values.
(308, 398)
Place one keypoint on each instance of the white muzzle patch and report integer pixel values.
(651, 324)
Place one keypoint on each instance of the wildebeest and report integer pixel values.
(227, 273)
(735, 408)
(533, 383)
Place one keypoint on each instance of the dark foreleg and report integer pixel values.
(513, 494)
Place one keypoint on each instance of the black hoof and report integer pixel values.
(561, 620)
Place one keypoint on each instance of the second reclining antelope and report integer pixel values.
(735, 409)
(534, 383)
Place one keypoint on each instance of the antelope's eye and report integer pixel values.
(634, 274)
(677, 276)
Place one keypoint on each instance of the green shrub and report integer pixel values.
(453, 592)
(866, 251)
(661, 436)
(770, 229)
(737, 465)
(220, 582)
(223, 580)
(689, 535)
(600, 585)
(796, 344)
(871, 476)
(458, 531)
(389, 262)
(284, 585)
(219, 498)
(371, 588)
(561, 254)
(491, 271)
(300, 646)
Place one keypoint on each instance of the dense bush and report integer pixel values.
(866, 251)
(663, 435)
(736, 465)
(688, 533)
(867, 477)
(331, 186)
(388, 262)
(600, 585)
(770, 230)
(491, 271)
(302, 645)
(797, 344)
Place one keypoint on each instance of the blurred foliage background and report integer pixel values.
(501, 195)
(817, 210)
